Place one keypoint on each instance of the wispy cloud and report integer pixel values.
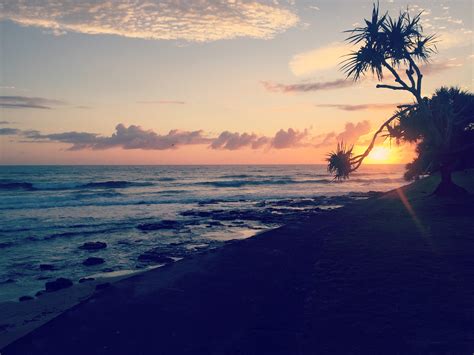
(9, 131)
(347, 107)
(325, 57)
(430, 68)
(162, 102)
(194, 21)
(5, 122)
(438, 67)
(307, 86)
(22, 102)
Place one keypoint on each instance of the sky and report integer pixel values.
(203, 82)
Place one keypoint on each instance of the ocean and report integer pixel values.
(144, 213)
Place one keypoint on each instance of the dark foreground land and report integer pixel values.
(393, 274)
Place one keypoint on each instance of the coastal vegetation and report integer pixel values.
(441, 126)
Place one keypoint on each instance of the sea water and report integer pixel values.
(48, 212)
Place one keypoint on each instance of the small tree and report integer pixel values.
(445, 138)
(390, 44)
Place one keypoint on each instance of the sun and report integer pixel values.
(379, 155)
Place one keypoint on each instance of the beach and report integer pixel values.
(389, 274)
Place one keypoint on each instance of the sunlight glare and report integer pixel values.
(379, 155)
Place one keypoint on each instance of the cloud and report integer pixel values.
(306, 87)
(233, 141)
(163, 102)
(352, 131)
(135, 137)
(347, 107)
(289, 138)
(79, 140)
(438, 67)
(5, 122)
(350, 135)
(132, 137)
(322, 58)
(9, 131)
(193, 21)
(20, 102)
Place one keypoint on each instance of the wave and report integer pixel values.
(114, 184)
(382, 180)
(99, 185)
(171, 192)
(241, 183)
(16, 186)
(166, 179)
(241, 176)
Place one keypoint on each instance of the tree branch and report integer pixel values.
(418, 75)
(409, 73)
(357, 160)
(397, 77)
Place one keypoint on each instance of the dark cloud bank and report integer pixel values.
(135, 137)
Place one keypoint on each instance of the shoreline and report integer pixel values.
(340, 257)
(20, 318)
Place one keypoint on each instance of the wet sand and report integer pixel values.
(393, 274)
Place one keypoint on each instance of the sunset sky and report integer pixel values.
(201, 82)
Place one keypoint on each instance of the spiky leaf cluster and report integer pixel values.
(386, 40)
(340, 162)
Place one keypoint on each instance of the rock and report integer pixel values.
(152, 257)
(86, 279)
(93, 246)
(164, 224)
(25, 298)
(93, 261)
(4, 327)
(58, 284)
(102, 286)
(46, 267)
(39, 293)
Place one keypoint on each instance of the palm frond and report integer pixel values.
(340, 162)
(361, 61)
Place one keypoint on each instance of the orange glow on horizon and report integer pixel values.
(387, 153)
(380, 155)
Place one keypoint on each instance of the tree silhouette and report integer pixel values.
(398, 46)
(445, 138)
(388, 44)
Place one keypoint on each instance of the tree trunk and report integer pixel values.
(447, 187)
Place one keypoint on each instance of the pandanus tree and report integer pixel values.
(398, 47)
(445, 138)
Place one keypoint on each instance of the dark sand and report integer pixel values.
(378, 277)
